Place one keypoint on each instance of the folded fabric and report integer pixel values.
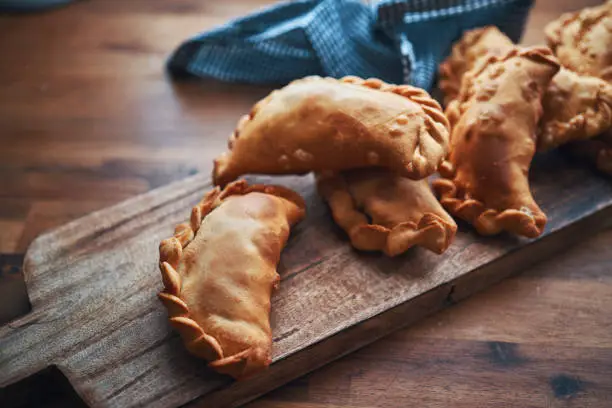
(30, 5)
(399, 41)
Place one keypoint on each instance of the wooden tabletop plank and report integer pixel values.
(88, 118)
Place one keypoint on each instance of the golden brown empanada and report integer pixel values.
(318, 124)
(494, 122)
(473, 45)
(576, 107)
(219, 271)
(403, 212)
(597, 150)
(582, 40)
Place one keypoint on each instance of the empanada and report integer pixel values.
(403, 212)
(582, 40)
(219, 271)
(318, 124)
(473, 45)
(494, 122)
(576, 107)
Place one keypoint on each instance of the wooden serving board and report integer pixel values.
(95, 316)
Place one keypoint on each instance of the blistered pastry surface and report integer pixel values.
(320, 124)
(219, 271)
(494, 122)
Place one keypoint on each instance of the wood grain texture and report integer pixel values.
(88, 119)
(95, 316)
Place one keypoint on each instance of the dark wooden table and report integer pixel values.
(88, 118)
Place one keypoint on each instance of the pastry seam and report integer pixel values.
(432, 109)
(170, 253)
(488, 221)
(428, 222)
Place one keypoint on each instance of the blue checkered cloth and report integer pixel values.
(399, 41)
(30, 5)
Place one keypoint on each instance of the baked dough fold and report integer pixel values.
(219, 271)
(582, 40)
(576, 107)
(403, 212)
(319, 124)
(473, 45)
(494, 122)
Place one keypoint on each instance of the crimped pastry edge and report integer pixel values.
(486, 221)
(432, 109)
(375, 237)
(196, 340)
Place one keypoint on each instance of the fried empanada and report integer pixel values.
(473, 45)
(219, 271)
(576, 107)
(494, 122)
(582, 40)
(403, 212)
(319, 124)
(597, 150)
